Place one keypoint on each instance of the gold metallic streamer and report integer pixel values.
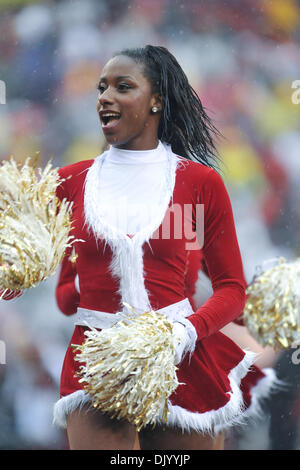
(129, 369)
(34, 224)
(272, 310)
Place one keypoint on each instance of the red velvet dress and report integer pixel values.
(217, 382)
(255, 385)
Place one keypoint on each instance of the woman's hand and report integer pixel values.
(182, 341)
(7, 294)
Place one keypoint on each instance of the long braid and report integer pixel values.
(184, 123)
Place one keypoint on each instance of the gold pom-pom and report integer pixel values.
(129, 369)
(272, 310)
(34, 225)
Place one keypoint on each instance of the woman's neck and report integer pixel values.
(139, 145)
(117, 155)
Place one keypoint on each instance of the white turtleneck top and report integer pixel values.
(132, 184)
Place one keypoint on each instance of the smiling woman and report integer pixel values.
(123, 105)
(156, 126)
(161, 155)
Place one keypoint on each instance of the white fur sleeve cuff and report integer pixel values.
(185, 338)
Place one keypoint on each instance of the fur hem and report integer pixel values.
(260, 392)
(208, 422)
(67, 405)
(227, 415)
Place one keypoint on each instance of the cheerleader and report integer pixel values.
(139, 207)
(161, 157)
(261, 381)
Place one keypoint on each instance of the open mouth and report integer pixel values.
(109, 119)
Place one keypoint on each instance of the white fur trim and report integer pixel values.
(209, 422)
(262, 390)
(231, 413)
(127, 260)
(67, 405)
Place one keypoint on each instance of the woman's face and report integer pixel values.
(125, 94)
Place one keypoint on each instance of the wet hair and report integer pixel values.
(184, 123)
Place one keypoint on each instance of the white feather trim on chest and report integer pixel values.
(127, 260)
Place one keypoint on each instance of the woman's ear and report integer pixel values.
(156, 103)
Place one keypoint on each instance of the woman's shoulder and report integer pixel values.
(193, 170)
(206, 181)
(75, 169)
(72, 177)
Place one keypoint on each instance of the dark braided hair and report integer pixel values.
(184, 123)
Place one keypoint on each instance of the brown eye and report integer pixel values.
(124, 86)
(101, 88)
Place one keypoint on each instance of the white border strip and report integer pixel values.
(209, 422)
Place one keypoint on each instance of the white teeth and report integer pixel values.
(106, 117)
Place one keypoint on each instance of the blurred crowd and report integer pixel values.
(242, 58)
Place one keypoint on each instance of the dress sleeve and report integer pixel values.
(193, 266)
(222, 259)
(62, 188)
(10, 294)
(67, 296)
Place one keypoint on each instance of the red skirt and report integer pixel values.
(219, 386)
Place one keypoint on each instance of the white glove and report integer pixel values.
(181, 341)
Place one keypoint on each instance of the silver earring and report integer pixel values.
(154, 109)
